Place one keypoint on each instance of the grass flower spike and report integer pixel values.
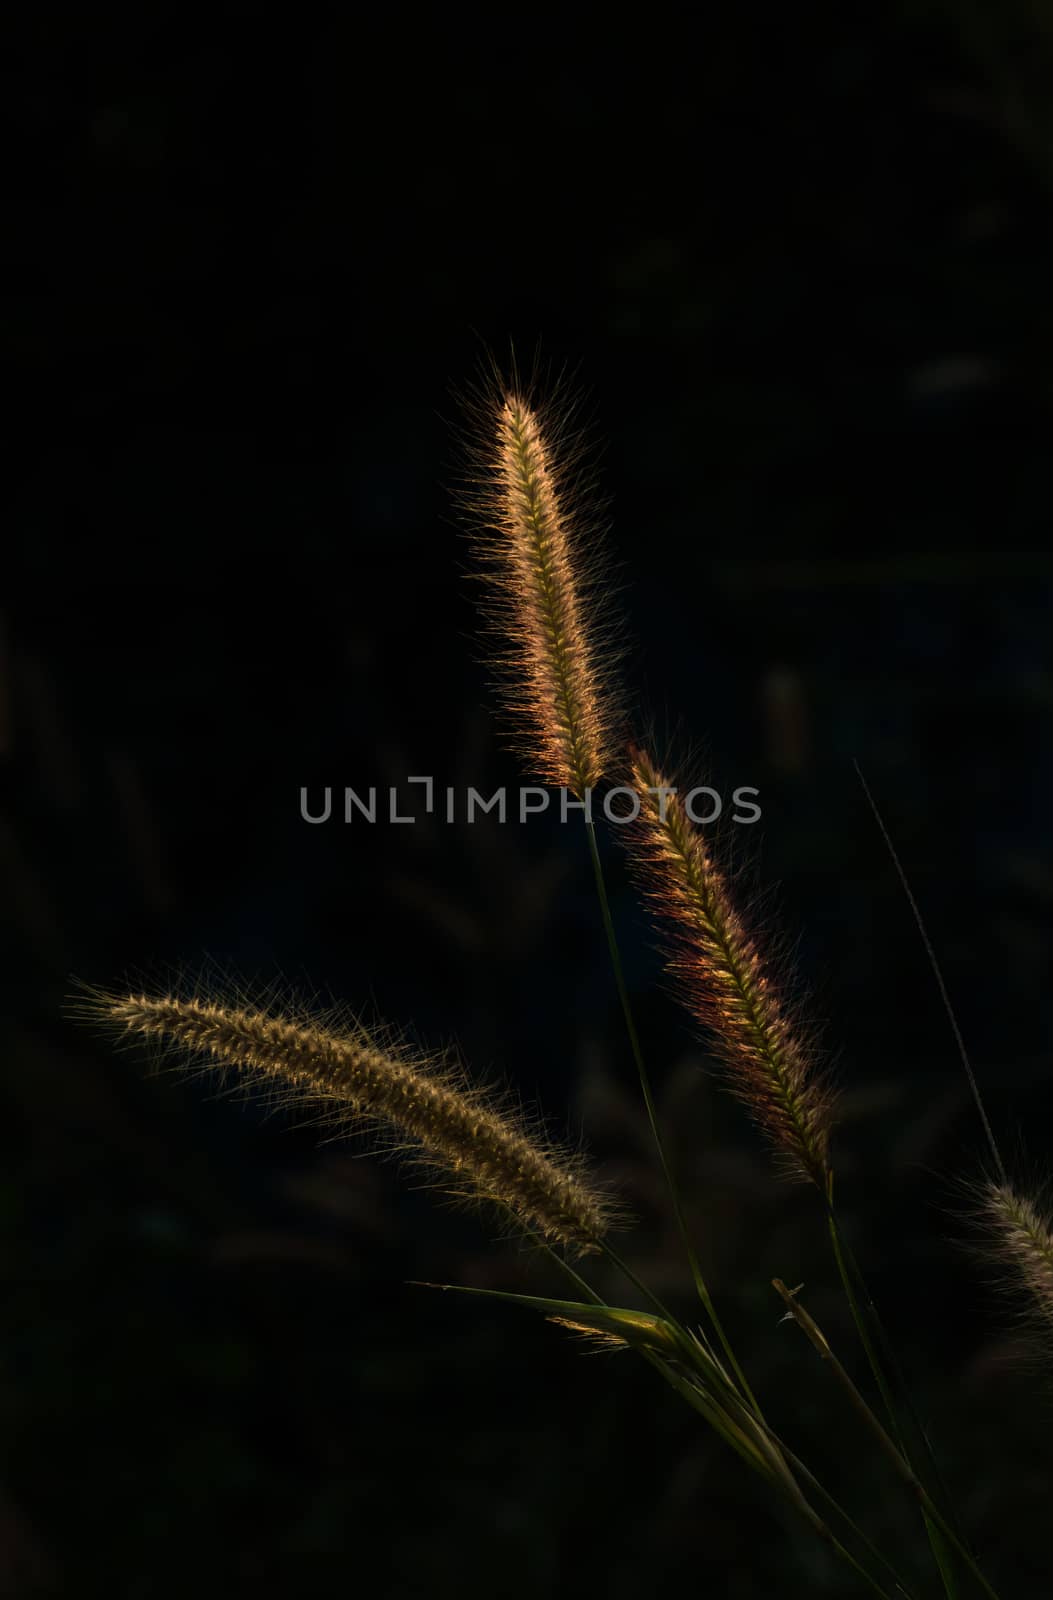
(486, 1152)
(726, 984)
(1019, 1243)
(539, 550)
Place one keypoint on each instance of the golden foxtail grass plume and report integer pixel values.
(1017, 1242)
(725, 983)
(539, 542)
(487, 1151)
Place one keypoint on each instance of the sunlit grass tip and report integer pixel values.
(529, 496)
(768, 1053)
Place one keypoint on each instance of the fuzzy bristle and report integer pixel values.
(486, 1150)
(724, 981)
(1018, 1243)
(540, 547)
(598, 1341)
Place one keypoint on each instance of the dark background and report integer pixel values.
(801, 262)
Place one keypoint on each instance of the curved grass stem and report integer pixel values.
(790, 1491)
(652, 1117)
(934, 1517)
(848, 1269)
(720, 1410)
(810, 1481)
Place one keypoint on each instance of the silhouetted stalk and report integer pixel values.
(889, 1448)
(711, 1411)
(652, 1116)
(698, 1402)
(848, 1266)
(808, 1478)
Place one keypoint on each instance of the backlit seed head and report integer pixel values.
(536, 530)
(725, 981)
(351, 1078)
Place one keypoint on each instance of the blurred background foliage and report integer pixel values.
(802, 263)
